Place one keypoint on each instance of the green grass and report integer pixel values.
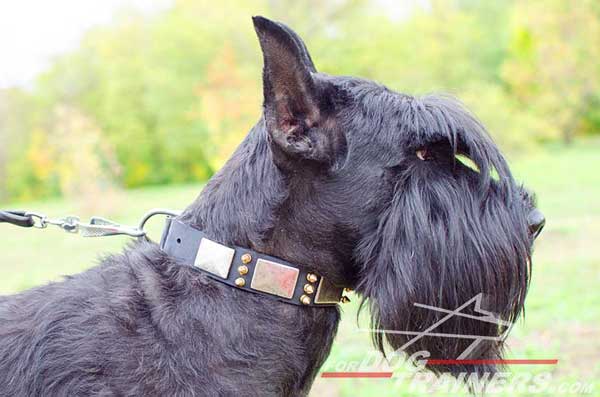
(563, 307)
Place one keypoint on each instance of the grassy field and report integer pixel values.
(563, 308)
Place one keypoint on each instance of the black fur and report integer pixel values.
(329, 179)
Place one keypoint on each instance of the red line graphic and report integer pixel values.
(553, 361)
(497, 362)
(357, 374)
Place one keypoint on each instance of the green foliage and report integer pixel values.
(553, 67)
(170, 96)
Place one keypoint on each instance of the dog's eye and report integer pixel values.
(422, 154)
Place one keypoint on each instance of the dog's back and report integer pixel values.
(56, 339)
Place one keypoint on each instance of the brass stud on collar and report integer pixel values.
(312, 278)
(240, 282)
(309, 289)
(246, 258)
(345, 299)
(243, 270)
(305, 299)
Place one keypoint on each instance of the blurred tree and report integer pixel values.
(20, 116)
(554, 65)
(4, 142)
(82, 159)
(171, 95)
(228, 98)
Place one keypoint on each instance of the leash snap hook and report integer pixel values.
(101, 227)
(40, 221)
(69, 224)
(152, 213)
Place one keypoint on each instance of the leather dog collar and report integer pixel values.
(246, 269)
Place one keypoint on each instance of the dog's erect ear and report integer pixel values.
(291, 102)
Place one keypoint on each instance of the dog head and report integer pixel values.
(410, 198)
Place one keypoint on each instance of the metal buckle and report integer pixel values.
(327, 293)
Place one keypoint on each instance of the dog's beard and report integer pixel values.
(446, 240)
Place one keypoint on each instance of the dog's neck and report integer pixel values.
(235, 207)
(248, 204)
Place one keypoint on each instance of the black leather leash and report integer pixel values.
(96, 227)
(17, 218)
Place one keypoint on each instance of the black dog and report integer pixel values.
(341, 177)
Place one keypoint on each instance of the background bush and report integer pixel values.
(153, 100)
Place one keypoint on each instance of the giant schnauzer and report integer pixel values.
(341, 183)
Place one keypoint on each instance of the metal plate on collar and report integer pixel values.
(214, 258)
(274, 278)
(327, 293)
